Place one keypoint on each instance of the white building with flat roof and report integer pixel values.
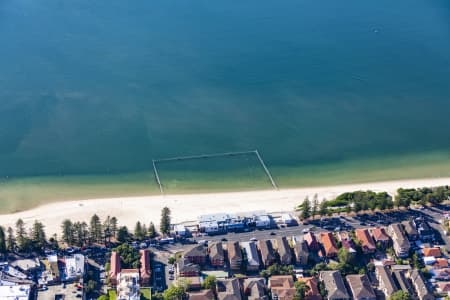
(15, 292)
(180, 230)
(128, 285)
(74, 266)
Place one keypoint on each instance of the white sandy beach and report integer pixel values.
(128, 210)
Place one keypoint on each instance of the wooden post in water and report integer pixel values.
(266, 170)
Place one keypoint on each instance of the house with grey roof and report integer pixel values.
(422, 291)
(400, 241)
(284, 251)
(334, 284)
(360, 287)
(228, 289)
(251, 252)
(255, 289)
(267, 252)
(385, 280)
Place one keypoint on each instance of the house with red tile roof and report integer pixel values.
(145, 271)
(441, 263)
(367, 242)
(115, 267)
(329, 244)
(381, 237)
(282, 287)
(435, 252)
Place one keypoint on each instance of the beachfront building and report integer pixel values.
(128, 285)
(74, 267)
(360, 287)
(250, 250)
(334, 284)
(367, 243)
(180, 230)
(115, 268)
(288, 219)
(267, 253)
(400, 242)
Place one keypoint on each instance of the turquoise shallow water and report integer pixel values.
(102, 87)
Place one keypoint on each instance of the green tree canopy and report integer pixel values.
(301, 289)
(400, 295)
(210, 282)
(165, 221)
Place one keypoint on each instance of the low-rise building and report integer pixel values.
(228, 289)
(253, 263)
(196, 254)
(146, 270)
(15, 292)
(234, 255)
(381, 237)
(432, 251)
(313, 292)
(410, 229)
(420, 286)
(366, 240)
(282, 287)
(329, 244)
(288, 219)
(441, 274)
(426, 233)
(115, 268)
(311, 241)
(334, 284)
(255, 289)
(301, 253)
(385, 280)
(267, 252)
(360, 287)
(180, 230)
(128, 285)
(346, 242)
(403, 282)
(187, 269)
(400, 242)
(284, 251)
(201, 295)
(216, 254)
(441, 263)
(74, 267)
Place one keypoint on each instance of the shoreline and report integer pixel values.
(187, 207)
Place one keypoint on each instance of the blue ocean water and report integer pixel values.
(103, 87)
